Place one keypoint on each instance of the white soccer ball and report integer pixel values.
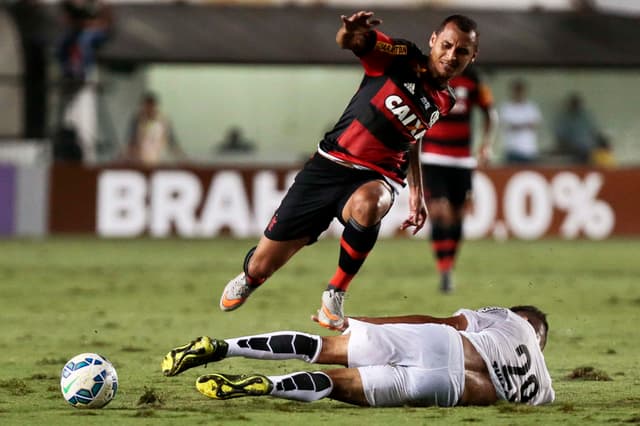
(88, 381)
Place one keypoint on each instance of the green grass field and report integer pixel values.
(133, 300)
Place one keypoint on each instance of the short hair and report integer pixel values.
(534, 312)
(463, 22)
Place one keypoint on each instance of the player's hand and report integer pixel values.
(417, 219)
(345, 323)
(417, 215)
(360, 22)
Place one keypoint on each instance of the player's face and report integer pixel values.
(149, 109)
(452, 50)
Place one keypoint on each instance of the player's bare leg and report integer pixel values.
(259, 264)
(362, 214)
(335, 350)
(271, 255)
(347, 386)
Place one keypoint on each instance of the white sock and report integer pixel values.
(302, 386)
(278, 345)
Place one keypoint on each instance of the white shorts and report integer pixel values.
(407, 364)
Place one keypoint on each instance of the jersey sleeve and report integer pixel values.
(383, 51)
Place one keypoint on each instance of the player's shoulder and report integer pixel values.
(399, 47)
(484, 318)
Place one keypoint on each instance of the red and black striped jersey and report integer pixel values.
(392, 109)
(449, 141)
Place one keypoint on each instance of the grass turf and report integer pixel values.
(132, 300)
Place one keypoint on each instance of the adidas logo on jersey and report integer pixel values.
(411, 87)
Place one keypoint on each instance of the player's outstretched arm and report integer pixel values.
(417, 207)
(459, 322)
(352, 34)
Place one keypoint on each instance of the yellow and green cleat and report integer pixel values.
(200, 351)
(227, 386)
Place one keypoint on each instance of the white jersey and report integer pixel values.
(509, 346)
(525, 117)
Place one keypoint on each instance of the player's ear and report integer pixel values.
(432, 39)
(543, 338)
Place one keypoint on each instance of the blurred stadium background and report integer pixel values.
(85, 265)
(271, 69)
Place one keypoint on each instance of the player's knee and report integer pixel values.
(369, 209)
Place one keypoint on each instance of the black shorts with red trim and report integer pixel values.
(318, 194)
(452, 183)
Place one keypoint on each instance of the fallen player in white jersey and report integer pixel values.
(471, 358)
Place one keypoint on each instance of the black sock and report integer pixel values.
(254, 282)
(355, 245)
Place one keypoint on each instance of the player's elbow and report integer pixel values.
(460, 322)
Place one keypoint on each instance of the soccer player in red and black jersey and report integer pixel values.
(372, 150)
(448, 163)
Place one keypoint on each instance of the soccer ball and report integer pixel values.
(88, 381)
